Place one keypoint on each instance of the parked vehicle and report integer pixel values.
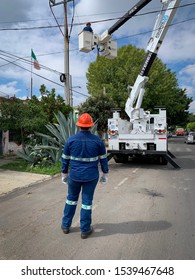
(180, 131)
(190, 138)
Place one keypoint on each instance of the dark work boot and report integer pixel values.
(85, 234)
(65, 230)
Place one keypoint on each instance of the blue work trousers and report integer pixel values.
(74, 189)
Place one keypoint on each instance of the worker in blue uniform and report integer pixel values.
(80, 160)
(88, 27)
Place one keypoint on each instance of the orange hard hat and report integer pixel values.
(85, 120)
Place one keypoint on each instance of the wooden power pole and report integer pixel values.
(67, 86)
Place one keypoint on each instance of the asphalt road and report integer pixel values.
(145, 212)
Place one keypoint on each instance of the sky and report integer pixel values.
(26, 25)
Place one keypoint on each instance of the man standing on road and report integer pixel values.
(82, 153)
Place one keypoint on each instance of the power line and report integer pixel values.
(76, 49)
(77, 24)
(87, 15)
(6, 54)
(28, 20)
(41, 76)
(20, 58)
(145, 32)
(30, 72)
(80, 93)
(71, 25)
(9, 55)
(55, 19)
(129, 36)
(4, 94)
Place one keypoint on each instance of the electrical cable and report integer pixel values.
(91, 15)
(120, 38)
(6, 54)
(73, 15)
(56, 19)
(145, 32)
(80, 93)
(76, 24)
(32, 73)
(52, 53)
(42, 76)
(4, 94)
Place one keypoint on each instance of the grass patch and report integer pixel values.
(22, 166)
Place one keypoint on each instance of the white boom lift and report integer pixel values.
(145, 134)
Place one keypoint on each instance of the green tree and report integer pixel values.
(99, 107)
(191, 117)
(52, 103)
(191, 126)
(34, 118)
(11, 116)
(22, 118)
(161, 89)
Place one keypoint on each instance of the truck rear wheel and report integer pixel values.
(162, 160)
(121, 158)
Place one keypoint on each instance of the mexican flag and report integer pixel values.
(35, 63)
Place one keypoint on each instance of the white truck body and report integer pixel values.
(143, 134)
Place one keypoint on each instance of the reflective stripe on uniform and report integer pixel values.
(86, 207)
(71, 202)
(103, 156)
(65, 157)
(84, 159)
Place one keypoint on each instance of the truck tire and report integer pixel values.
(121, 158)
(162, 160)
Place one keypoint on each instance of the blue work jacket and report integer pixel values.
(83, 152)
(88, 28)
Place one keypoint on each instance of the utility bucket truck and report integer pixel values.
(145, 134)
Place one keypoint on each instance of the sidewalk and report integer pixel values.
(11, 180)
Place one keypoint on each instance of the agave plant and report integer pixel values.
(50, 150)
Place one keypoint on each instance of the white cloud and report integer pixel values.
(188, 71)
(192, 107)
(10, 88)
(179, 43)
(187, 79)
(12, 11)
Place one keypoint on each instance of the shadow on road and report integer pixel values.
(131, 227)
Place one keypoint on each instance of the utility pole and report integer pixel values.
(66, 55)
(66, 79)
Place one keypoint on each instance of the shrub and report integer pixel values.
(52, 144)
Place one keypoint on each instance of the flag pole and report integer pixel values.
(31, 79)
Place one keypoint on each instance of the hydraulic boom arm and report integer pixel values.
(160, 29)
(88, 41)
(134, 10)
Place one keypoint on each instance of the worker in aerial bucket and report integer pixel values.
(88, 27)
(82, 153)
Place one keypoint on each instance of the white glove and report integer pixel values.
(104, 179)
(64, 178)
